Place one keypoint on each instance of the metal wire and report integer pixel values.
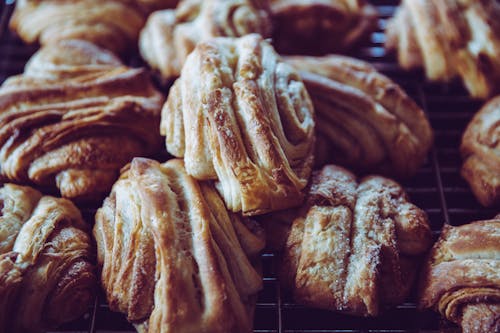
(437, 188)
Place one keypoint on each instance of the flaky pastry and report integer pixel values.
(240, 115)
(173, 258)
(320, 26)
(364, 120)
(110, 24)
(74, 118)
(171, 35)
(449, 39)
(46, 261)
(353, 248)
(481, 153)
(461, 278)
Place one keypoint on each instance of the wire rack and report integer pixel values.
(437, 188)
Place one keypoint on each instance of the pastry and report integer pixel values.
(170, 35)
(320, 26)
(364, 120)
(46, 261)
(450, 39)
(355, 245)
(461, 278)
(173, 259)
(74, 118)
(481, 154)
(241, 116)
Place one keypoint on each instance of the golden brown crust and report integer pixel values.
(353, 247)
(365, 121)
(46, 273)
(110, 24)
(480, 151)
(74, 118)
(170, 253)
(461, 278)
(171, 35)
(450, 39)
(241, 116)
(320, 26)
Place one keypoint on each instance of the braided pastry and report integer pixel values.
(481, 153)
(320, 26)
(239, 115)
(74, 118)
(170, 35)
(354, 245)
(461, 279)
(46, 271)
(364, 120)
(449, 39)
(173, 258)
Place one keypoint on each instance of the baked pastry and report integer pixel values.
(481, 154)
(320, 26)
(450, 39)
(111, 24)
(354, 247)
(170, 35)
(461, 278)
(364, 120)
(173, 258)
(46, 261)
(74, 118)
(239, 115)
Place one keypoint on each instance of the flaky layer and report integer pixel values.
(47, 273)
(171, 35)
(480, 151)
(364, 120)
(450, 39)
(241, 116)
(74, 118)
(173, 258)
(320, 26)
(461, 278)
(353, 248)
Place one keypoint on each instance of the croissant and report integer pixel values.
(173, 258)
(461, 278)
(481, 154)
(241, 116)
(320, 26)
(353, 248)
(365, 121)
(46, 272)
(450, 39)
(74, 118)
(170, 35)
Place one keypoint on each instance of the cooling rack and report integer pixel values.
(437, 188)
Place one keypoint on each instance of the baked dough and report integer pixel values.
(449, 39)
(364, 120)
(461, 278)
(320, 26)
(481, 153)
(74, 118)
(46, 273)
(239, 115)
(171, 35)
(173, 258)
(354, 246)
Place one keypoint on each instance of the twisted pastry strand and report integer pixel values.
(239, 115)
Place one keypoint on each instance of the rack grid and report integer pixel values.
(437, 188)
